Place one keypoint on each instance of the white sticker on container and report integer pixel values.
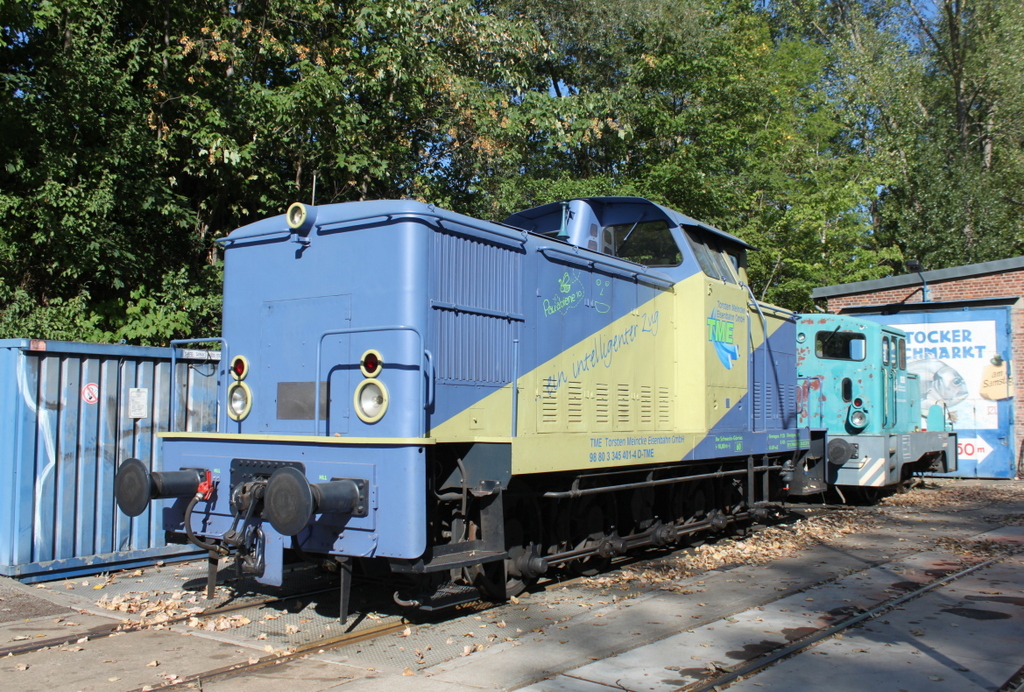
(138, 402)
(200, 355)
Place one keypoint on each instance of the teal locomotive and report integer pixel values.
(854, 382)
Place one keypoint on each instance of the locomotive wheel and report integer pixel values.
(494, 582)
(677, 504)
(641, 503)
(689, 506)
(589, 530)
(497, 580)
(906, 481)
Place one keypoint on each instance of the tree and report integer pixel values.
(143, 133)
(711, 110)
(934, 88)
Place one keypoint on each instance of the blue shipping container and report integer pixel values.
(69, 414)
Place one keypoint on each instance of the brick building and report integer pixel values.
(975, 310)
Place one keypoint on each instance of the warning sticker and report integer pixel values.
(91, 393)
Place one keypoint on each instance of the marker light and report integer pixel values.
(858, 419)
(301, 218)
(371, 363)
(371, 400)
(239, 367)
(296, 215)
(239, 401)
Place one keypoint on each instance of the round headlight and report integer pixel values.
(371, 400)
(858, 419)
(239, 400)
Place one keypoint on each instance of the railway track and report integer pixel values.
(724, 678)
(557, 579)
(882, 582)
(284, 651)
(241, 669)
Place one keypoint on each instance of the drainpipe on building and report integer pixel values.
(915, 266)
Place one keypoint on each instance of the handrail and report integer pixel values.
(807, 393)
(515, 387)
(640, 273)
(519, 237)
(330, 226)
(430, 378)
(174, 359)
(570, 257)
(359, 330)
(227, 240)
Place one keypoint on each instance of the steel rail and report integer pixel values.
(233, 670)
(230, 671)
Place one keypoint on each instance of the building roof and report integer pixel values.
(891, 282)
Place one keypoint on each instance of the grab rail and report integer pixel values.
(425, 369)
(174, 359)
(804, 390)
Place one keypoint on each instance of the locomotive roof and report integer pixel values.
(348, 212)
(524, 219)
(847, 322)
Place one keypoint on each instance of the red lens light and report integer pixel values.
(858, 402)
(370, 362)
(238, 366)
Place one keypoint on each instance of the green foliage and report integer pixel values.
(935, 102)
(22, 317)
(840, 137)
(180, 307)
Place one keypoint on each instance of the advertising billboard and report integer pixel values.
(964, 360)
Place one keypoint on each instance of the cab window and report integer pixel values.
(885, 350)
(649, 243)
(837, 345)
(712, 259)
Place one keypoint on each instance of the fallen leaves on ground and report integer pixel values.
(157, 608)
(784, 540)
(938, 495)
(771, 543)
(219, 624)
(974, 548)
(152, 608)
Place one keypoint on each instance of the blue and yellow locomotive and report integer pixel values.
(854, 383)
(471, 402)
